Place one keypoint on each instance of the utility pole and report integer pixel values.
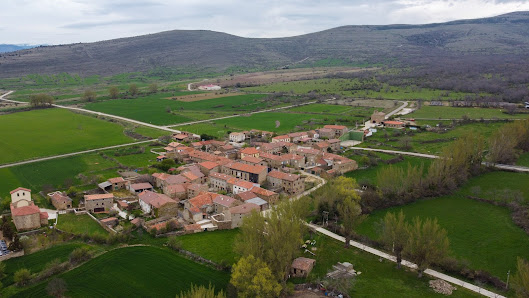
(508, 275)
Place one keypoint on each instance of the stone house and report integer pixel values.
(250, 160)
(117, 183)
(282, 138)
(219, 182)
(301, 267)
(199, 207)
(26, 215)
(60, 201)
(338, 130)
(289, 183)
(194, 190)
(394, 124)
(98, 203)
(236, 214)
(207, 167)
(222, 203)
(334, 144)
(156, 204)
(243, 186)
(272, 161)
(176, 191)
(250, 173)
(237, 137)
(378, 117)
(137, 188)
(249, 151)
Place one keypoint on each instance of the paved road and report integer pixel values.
(430, 272)
(395, 111)
(488, 164)
(70, 154)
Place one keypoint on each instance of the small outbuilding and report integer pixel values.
(301, 267)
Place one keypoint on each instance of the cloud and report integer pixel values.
(69, 21)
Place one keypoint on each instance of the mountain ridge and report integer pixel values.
(506, 34)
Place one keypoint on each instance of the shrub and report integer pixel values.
(80, 255)
(22, 277)
(174, 243)
(56, 287)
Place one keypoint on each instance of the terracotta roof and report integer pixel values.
(335, 126)
(189, 175)
(180, 136)
(303, 263)
(176, 179)
(247, 195)
(138, 186)
(224, 200)
(245, 184)
(123, 204)
(270, 156)
(43, 215)
(108, 220)
(252, 159)
(281, 137)
(297, 134)
(175, 188)
(174, 144)
(59, 197)
(244, 208)
(308, 151)
(209, 164)
(236, 133)
(99, 196)
(116, 180)
(197, 187)
(321, 145)
(291, 156)
(283, 176)
(332, 141)
(203, 199)
(192, 227)
(220, 176)
(155, 199)
(254, 169)
(25, 210)
(19, 188)
(263, 192)
(249, 150)
(394, 122)
(325, 130)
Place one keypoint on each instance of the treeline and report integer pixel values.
(508, 142)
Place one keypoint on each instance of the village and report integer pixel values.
(216, 184)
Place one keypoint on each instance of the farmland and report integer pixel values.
(79, 225)
(156, 109)
(54, 131)
(201, 244)
(114, 274)
(352, 88)
(480, 233)
(437, 112)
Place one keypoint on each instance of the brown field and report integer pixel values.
(283, 75)
(203, 96)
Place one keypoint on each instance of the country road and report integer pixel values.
(395, 111)
(513, 168)
(8, 165)
(8, 100)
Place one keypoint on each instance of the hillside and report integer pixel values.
(198, 49)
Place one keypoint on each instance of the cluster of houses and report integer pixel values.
(219, 183)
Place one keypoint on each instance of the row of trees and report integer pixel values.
(423, 242)
(267, 245)
(90, 95)
(506, 144)
(40, 100)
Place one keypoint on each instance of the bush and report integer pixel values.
(22, 277)
(80, 255)
(56, 287)
(174, 243)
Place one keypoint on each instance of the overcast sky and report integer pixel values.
(70, 21)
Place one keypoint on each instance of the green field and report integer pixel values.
(425, 141)
(322, 108)
(155, 108)
(40, 133)
(352, 87)
(80, 225)
(216, 246)
(135, 272)
(210, 128)
(480, 233)
(523, 160)
(377, 278)
(35, 262)
(437, 112)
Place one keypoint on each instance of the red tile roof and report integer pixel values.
(116, 180)
(209, 164)
(283, 176)
(394, 122)
(19, 188)
(244, 184)
(252, 159)
(270, 156)
(247, 195)
(138, 186)
(263, 192)
(99, 196)
(25, 210)
(175, 188)
(303, 263)
(308, 151)
(191, 176)
(224, 200)
(203, 199)
(155, 199)
(44, 215)
(244, 208)
(220, 176)
(249, 150)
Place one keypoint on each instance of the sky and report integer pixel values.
(71, 21)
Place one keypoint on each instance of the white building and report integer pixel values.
(237, 137)
(209, 87)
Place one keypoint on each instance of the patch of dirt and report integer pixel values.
(442, 287)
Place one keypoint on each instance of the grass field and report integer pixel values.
(79, 224)
(155, 108)
(321, 108)
(216, 246)
(370, 174)
(135, 272)
(267, 121)
(47, 132)
(436, 112)
(35, 262)
(481, 233)
(427, 142)
(377, 278)
(523, 160)
(344, 87)
(210, 128)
